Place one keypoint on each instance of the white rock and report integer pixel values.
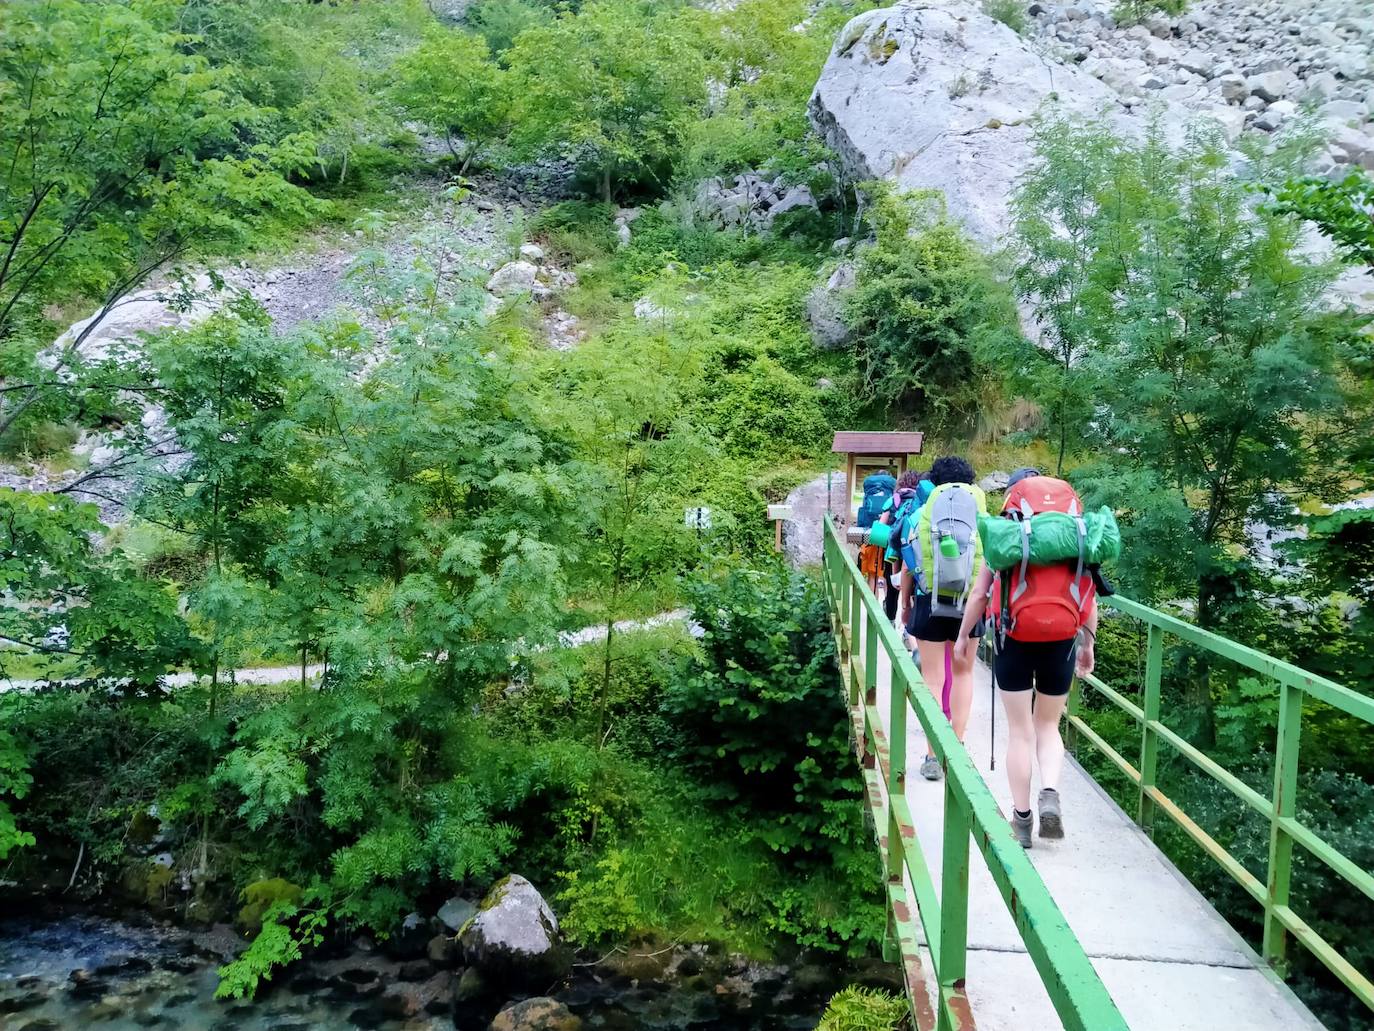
(883, 104)
(515, 277)
(1275, 85)
(1234, 88)
(623, 236)
(796, 197)
(1161, 52)
(1354, 147)
(1231, 119)
(1151, 80)
(1342, 111)
(1198, 61)
(532, 252)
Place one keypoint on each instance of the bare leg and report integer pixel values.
(933, 672)
(1049, 746)
(961, 694)
(1020, 743)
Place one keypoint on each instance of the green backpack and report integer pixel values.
(950, 548)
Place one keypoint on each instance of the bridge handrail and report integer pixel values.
(1280, 808)
(1074, 987)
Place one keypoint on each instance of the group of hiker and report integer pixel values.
(1027, 579)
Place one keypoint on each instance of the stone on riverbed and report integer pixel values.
(541, 1014)
(515, 937)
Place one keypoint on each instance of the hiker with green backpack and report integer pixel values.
(948, 554)
(1042, 579)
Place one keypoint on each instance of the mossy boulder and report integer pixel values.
(260, 896)
(540, 1014)
(514, 937)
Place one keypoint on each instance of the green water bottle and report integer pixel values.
(949, 547)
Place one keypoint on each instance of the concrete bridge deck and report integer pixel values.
(1168, 959)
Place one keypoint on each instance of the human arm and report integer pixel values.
(1087, 644)
(973, 612)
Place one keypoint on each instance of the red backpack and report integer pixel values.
(1045, 603)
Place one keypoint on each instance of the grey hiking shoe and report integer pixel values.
(930, 768)
(1051, 824)
(1021, 827)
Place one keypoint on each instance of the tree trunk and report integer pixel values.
(606, 185)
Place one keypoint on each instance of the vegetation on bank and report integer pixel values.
(421, 499)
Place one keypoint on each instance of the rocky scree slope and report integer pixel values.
(938, 95)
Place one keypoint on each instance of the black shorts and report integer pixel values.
(925, 627)
(1045, 665)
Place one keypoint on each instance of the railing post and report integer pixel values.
(953, 905)
(870, 658)
(896, 774)
(1285, 806)
(1149, 740)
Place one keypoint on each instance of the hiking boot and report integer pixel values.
(1051, 825)
(1021, 827)
(930, 768)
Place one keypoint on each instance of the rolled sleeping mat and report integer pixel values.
(880, 534)
(1054, 538)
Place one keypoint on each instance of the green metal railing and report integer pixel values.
(970, 812)
(1280, 809)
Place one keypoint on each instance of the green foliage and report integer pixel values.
(1011, 13)
(15, 781)
(1340, 210)
(928, 315)
(500, 22)
(761, 717)
(1196, 329)
(1131, 12)
(865, 1009)
(451, 84)
(286, 932)
(614, 86)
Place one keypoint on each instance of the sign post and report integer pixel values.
(778, 513)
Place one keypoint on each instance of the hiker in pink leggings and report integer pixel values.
(949, 677)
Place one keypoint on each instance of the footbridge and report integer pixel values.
(1098, 930)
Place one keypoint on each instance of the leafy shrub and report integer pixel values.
(1130, 12)
(762, 720)
(864, 1009)
(929, 315)
(1011, 13)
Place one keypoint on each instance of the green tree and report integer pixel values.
(1219, 373)
(928, 314)
(452, 85)
(614, 86)
(1343, 211)
(122, 157)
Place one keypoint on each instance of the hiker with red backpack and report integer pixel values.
(1042, 578)
(947, 556)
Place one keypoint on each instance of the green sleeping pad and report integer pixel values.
(1054, 538)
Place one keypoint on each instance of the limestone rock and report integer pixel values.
(1271, 86)
(455, 913)
(515, 936)
(825, 307)
(515, 277)
(538, 1014)
(796, 197)
(893, 101)
(532, 252)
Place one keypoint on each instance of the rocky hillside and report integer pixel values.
(940, 95)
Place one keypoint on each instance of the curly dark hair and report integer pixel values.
(910, 480)
(951, 469)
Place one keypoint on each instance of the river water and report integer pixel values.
(79, 971)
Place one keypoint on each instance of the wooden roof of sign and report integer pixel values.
(863, 442)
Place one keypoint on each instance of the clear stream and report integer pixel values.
(81, 971)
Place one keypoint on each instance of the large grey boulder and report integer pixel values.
(942, 96)
(514, 936)
(515, 277)
(825, 308)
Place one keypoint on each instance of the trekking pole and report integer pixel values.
(992, 710)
